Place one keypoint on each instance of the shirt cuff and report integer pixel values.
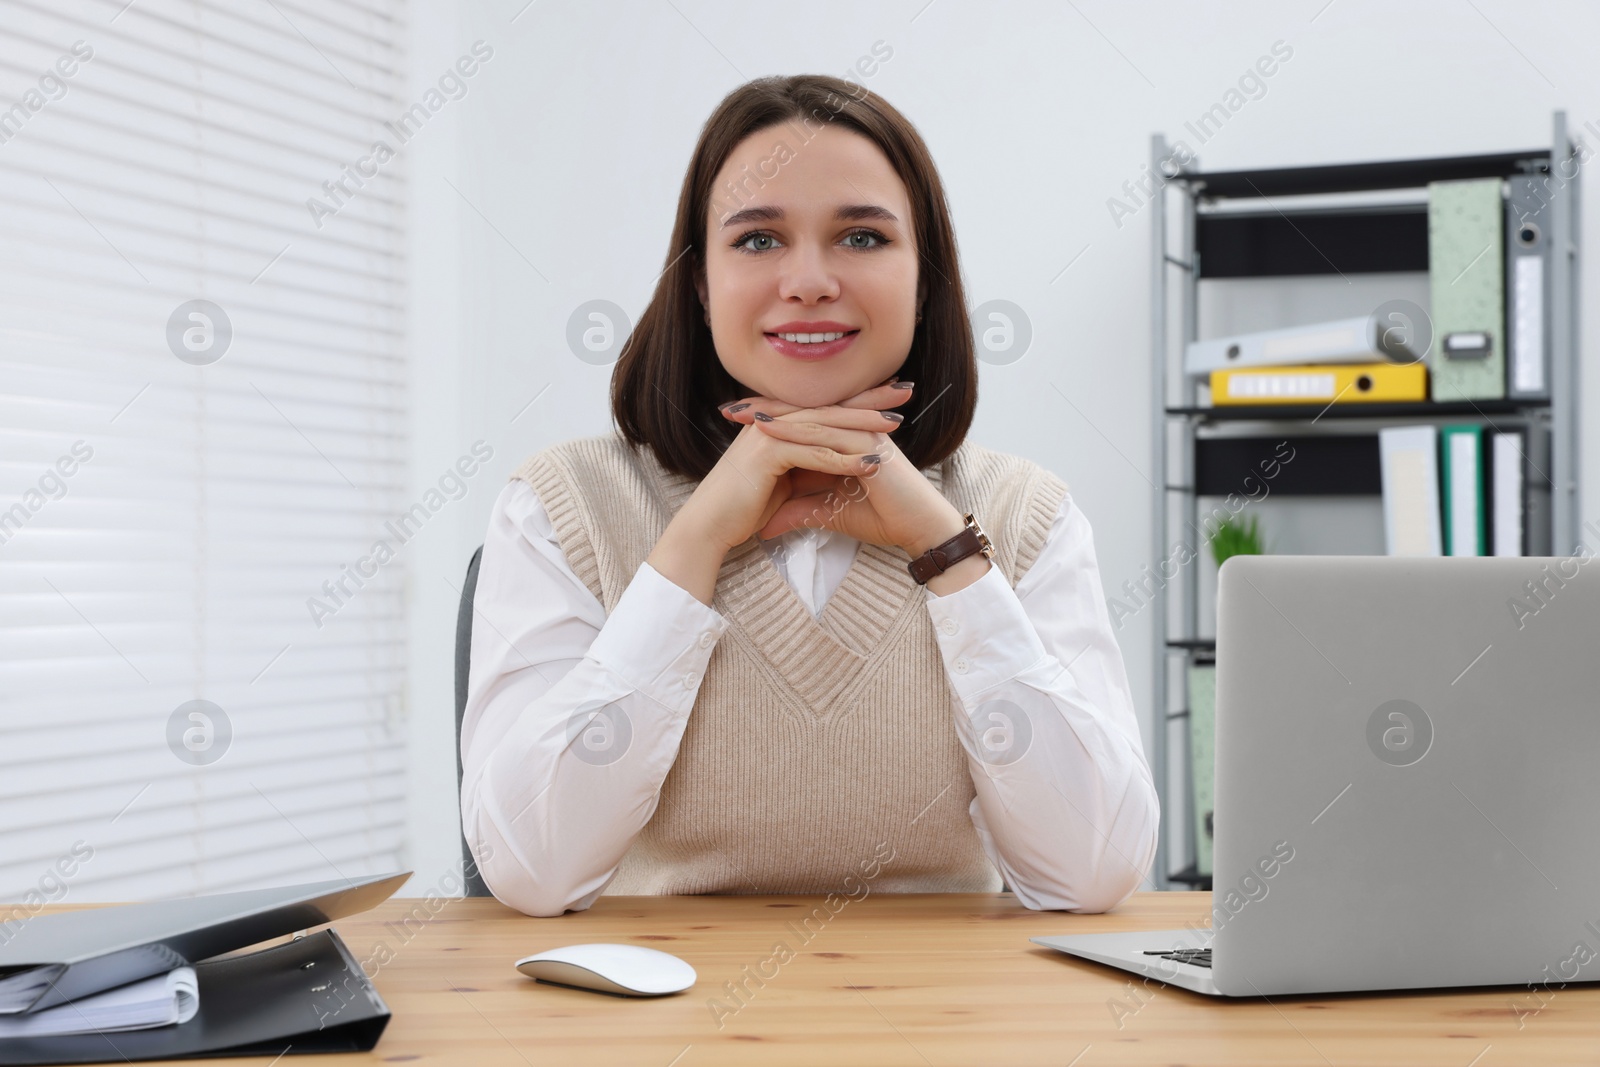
(984, 633)
(659, 638)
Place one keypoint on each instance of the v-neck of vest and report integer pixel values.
(821, 657)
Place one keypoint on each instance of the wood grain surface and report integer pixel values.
(921, 980)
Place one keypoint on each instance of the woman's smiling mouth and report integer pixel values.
(811, 345)
(811, 340)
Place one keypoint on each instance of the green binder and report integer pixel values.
(1461, 478)
(1466, 274)
(1203, 758)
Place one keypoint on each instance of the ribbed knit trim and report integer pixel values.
(819, 660)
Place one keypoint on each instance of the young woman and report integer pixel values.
(732, 647)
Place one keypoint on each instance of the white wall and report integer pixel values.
(570, 146)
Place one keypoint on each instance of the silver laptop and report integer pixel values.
(1407, 780)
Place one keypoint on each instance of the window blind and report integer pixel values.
(202, 436)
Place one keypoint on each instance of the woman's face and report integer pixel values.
(816, 240)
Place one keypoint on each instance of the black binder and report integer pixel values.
(77, 953)
(306, 995)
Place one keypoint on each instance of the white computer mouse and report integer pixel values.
(628, 970)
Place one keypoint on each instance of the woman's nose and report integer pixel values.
(806, 275)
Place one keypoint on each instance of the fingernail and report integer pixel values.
(763, 416)
(893, 416)
(737, 407)
(904, 385)
(724, 406)
(872, 460)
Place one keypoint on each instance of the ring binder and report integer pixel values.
(83, 952)
(1466, 268)
(1527, 296)
(303, 996)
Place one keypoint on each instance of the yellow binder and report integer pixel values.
(1320, 384)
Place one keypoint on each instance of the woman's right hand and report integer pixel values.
(758, 472)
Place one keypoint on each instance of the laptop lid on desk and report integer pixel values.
(1415, 741)
(1407, 792)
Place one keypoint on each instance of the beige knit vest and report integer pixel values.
(817, 746)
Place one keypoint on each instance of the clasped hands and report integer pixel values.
(891, 504)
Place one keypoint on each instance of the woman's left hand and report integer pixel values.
(895, 505)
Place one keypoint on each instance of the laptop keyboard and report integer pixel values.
(1199, 957)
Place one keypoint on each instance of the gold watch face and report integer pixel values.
(984, 545)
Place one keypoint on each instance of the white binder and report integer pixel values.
(1527, 281)
(1409, 461)
(1506, 493)
(1359, 340)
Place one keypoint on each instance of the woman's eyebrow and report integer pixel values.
(845, 213)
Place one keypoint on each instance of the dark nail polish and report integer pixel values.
(763, 416)
(737, 407)
(872, 460)
(904, 385)
(724, 405)
(893, 416)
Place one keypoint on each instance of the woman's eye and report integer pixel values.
(744, 243)
(877, 239)
(861, 240)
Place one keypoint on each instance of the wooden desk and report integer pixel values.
(920, 981)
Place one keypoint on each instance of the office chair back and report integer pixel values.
(476, 887)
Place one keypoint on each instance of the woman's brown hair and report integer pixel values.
(668, 380)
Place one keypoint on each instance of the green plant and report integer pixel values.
(1235, 538)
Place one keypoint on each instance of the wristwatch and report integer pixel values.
(942, 557)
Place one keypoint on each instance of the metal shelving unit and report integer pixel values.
(1287, 240)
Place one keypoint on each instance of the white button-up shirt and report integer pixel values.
(1070, 825)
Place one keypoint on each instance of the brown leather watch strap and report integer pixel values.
(942, 557)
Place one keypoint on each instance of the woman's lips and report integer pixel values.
(820, 350)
